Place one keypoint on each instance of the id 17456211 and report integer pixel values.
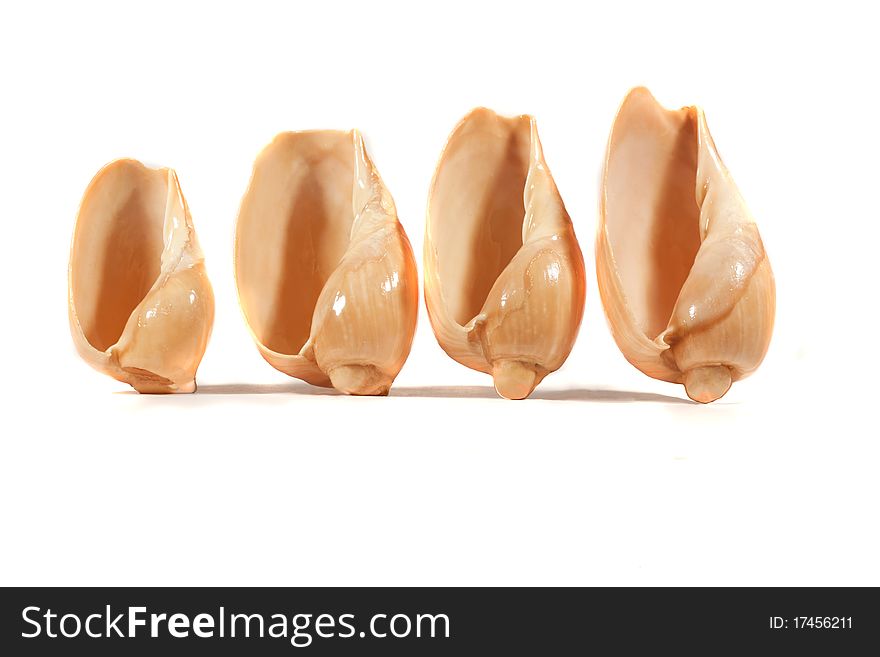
(811, 623)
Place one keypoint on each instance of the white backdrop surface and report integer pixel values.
(604, 476)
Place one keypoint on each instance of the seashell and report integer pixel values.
(504, 275)
(140, 304)
(325, 272)
(686, 285)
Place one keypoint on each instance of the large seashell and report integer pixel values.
(685, 283)
(326, 275)
(140, 303)
(504, 275)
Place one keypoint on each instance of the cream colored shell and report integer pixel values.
(686, 285)
(140, 304)
(504, 275)
(325, 273)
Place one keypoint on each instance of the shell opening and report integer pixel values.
(652, 216)
(294, 228)
(118, 244)
(477, 207)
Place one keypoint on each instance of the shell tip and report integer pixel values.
(514, 379)
(153, 387)
(360, 380)
(706, 384)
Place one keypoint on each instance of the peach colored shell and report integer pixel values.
(325, 273)
(684, 279)
(140, 304)
(504, 274)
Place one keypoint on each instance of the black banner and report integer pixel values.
(446, 621)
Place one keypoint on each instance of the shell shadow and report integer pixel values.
(596, 395)
(292, 388)
(609, 396)
(574, 394)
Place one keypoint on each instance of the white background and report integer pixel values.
(604, 476)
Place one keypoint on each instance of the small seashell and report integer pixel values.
(140, 304)
(325, 272)
(504, 275)
(686, 285)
